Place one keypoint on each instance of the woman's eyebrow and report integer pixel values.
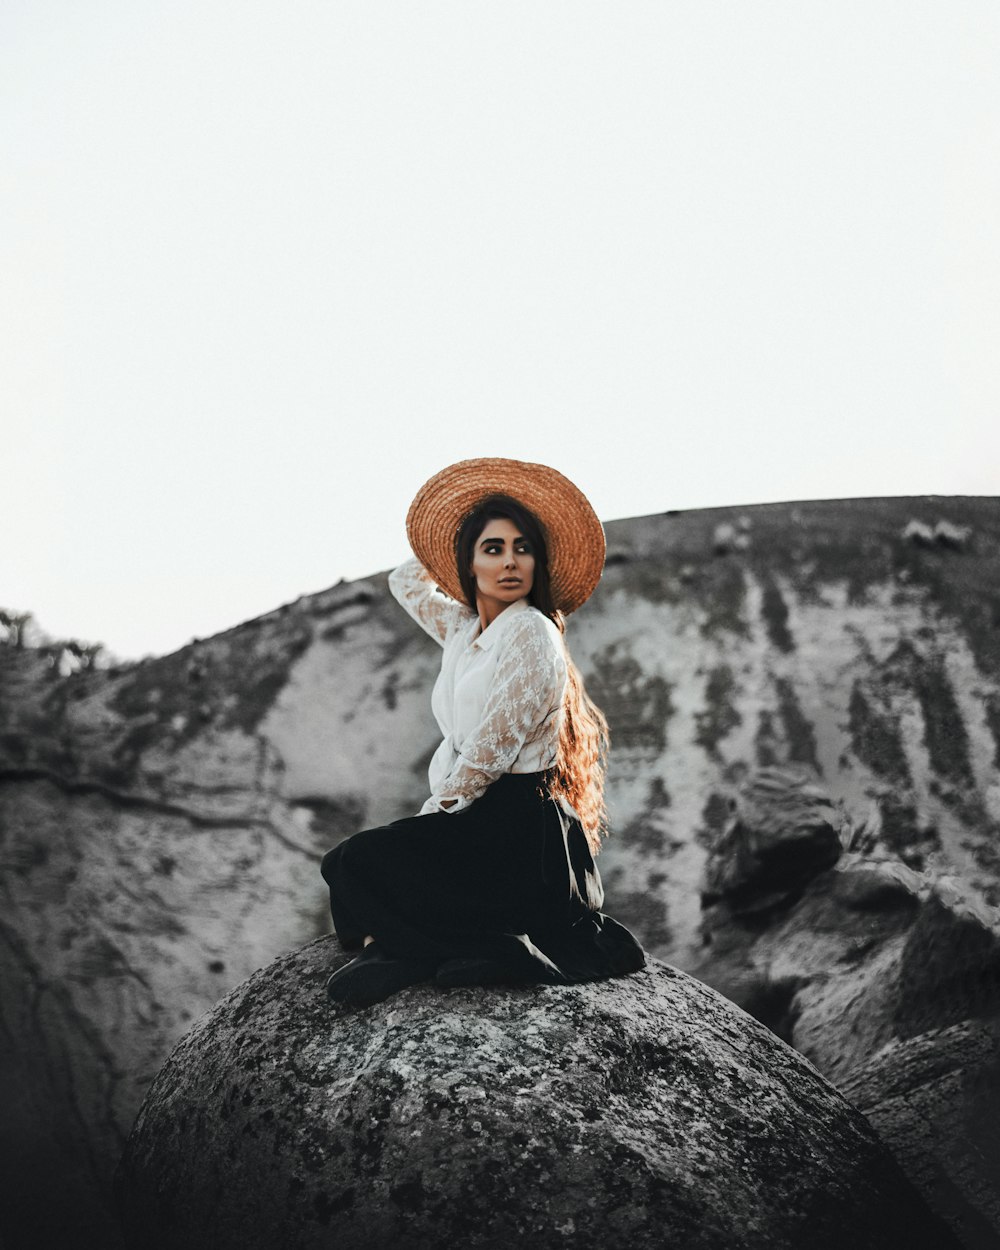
(518, 539)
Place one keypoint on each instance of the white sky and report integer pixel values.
(266, 267)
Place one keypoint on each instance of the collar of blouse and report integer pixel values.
(495, 629)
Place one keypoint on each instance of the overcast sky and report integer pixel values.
(266, 267)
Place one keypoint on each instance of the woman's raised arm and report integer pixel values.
(436, 613)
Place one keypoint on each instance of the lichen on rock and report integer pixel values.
(644, 1111)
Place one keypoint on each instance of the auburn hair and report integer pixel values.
(581, 763)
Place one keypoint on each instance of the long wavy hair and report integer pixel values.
(581, 763)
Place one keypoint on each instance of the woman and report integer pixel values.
(494, 881)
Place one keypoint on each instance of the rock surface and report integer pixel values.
(862, 968)
(935, 1100)
(641, 1112)
(838, 949)
(784, 831)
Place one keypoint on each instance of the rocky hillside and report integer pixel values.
(162, 823)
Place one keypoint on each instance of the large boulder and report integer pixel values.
(640, 1112)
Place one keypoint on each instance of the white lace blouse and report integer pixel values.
(498, 698)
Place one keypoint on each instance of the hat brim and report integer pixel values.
(574, 534)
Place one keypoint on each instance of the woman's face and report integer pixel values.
(503, 564)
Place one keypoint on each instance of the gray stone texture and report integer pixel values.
(641, 1112)
(863, 967)
(935, 1101)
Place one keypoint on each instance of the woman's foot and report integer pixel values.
(373, 976)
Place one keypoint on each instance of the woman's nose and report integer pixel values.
(509, 562)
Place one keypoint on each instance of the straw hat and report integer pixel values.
(574, 536)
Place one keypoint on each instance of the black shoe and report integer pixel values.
(370, 952)
(373, 977)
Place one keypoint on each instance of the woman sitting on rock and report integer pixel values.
(494, 882)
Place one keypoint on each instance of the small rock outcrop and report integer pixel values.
(945, 533)
(840, 951)
(783, 832)
(886, 978)
(641, 1112)
(935, 1100)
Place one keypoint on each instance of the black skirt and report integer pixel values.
(508, 880)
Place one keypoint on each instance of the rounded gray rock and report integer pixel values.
(641, 1112)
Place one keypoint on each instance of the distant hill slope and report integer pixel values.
(162, 823)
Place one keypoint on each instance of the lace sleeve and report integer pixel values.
(414, 589)
(524, 700)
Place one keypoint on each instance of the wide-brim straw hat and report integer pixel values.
(574, 536)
